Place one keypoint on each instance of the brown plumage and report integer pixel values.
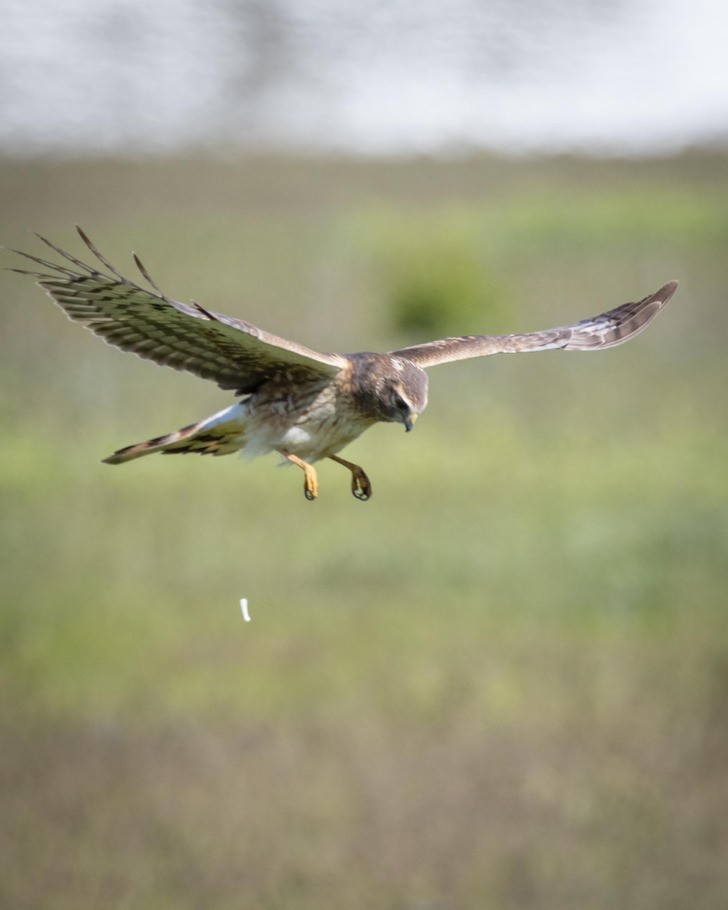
(302, 403)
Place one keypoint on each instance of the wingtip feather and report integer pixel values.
(668, 289)
(145, 274)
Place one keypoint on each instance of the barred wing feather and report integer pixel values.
(597, 333)
(235, 354)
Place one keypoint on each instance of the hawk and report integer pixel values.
(304, 404)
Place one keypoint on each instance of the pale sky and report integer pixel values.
(627, 76)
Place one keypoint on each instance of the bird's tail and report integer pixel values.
(221, 434)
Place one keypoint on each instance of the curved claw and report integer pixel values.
(360, 485)
(310, 486)
(310, 483)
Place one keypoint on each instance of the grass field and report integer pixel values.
(502, 682)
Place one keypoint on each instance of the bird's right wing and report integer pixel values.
(604, 331)
(233, 353)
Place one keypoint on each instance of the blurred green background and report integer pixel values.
(503, 682)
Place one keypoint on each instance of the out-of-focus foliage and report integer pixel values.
(502, 682)
(434, 271)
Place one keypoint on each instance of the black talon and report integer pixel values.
(361, 491)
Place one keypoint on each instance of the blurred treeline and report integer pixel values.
(501, 683)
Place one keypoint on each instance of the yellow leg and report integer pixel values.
(360, 484)
(310, 484)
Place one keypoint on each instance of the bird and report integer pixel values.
(304, 404)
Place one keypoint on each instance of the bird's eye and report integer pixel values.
(400, 403)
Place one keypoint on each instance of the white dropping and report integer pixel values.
(244, 608)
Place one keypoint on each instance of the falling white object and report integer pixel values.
(244, 608)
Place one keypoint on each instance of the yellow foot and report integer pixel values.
(360, 484)
(310, 487)
(310, 482)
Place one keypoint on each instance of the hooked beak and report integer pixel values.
(409, 421)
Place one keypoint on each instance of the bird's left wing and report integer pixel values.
(233, 353)
(604, 331)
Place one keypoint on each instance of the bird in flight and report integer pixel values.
(304, 404)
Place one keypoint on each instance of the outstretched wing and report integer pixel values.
(233, 353)
(603, 331)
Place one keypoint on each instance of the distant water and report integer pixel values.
(133, 76)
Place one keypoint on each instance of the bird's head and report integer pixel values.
(405, 394)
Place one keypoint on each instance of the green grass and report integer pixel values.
(500, 683)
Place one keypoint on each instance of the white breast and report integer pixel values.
(296, 438)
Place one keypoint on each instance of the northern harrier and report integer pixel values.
(304, 404)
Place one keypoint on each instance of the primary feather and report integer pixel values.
(599, 332)
(234, 353)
